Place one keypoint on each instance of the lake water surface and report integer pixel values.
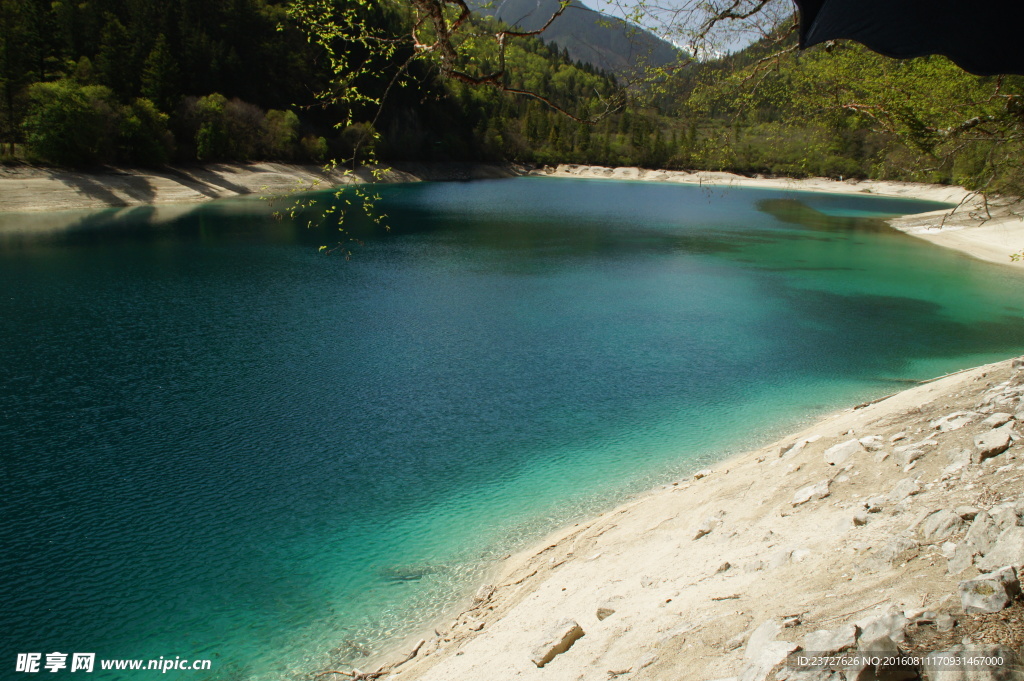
(218, 443)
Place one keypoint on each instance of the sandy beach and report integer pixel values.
(860, 526)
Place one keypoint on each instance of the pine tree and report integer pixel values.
(114, 60)
(160, 76)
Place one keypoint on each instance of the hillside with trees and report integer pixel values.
(143, 83)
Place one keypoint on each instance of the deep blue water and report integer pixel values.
(218, 443)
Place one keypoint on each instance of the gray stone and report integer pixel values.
(883, 647)
(872, 443)
(944, 623)
(1004, 516)
(876, 504)
(818, 490)
(990, 592)
(992, 443)
(906, 455)
(1008, 550)
(831, 641)
(793, 449)
(765, 633)
(893, 553)
(967, 512)
(959, 457)
(963, 558)
(904, 489)
(558, 639)
(954, 421)
(983, 533)
(1010, 670)
(891, 626)
(768, 656)
(763, 651)
(920, 616)
(707, 526)
(839, 454)
(940, 525)
(997, 419)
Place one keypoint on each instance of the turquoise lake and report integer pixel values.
(219, 443)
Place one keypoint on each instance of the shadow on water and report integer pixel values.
(894, 327)
(225, 220)
(796, 212)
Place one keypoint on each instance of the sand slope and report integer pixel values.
(686, 573)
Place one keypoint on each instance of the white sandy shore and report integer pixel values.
(987, 235)
(31, 189)
(687, 573)
(990, 234)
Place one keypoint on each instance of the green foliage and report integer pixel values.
(114, 61)
(160, 75)
(144, 137)
(280, 134)
(856, 113)
(73, 124)
(314, 148)
(67, 123)
(160, 51)
(213, 141)
(105, 81)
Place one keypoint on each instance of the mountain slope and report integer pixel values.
(605, 42)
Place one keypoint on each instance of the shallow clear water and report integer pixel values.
(219, 444)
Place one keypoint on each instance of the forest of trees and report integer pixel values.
(140, 82)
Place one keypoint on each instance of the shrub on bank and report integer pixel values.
(71, 124)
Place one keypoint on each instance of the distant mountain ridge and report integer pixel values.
(605, 42)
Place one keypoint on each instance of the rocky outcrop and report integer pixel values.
(991, 592)
(558, 639)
